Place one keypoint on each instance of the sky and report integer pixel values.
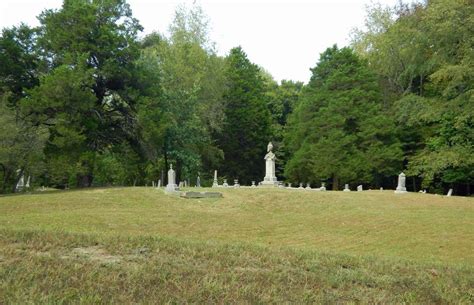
(282, 36)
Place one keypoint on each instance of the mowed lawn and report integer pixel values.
(253, 245)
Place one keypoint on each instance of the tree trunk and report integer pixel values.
(6, 177)
(335, 183)
(84, 180)
(166, 167)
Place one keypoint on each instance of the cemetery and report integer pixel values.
(330, 162)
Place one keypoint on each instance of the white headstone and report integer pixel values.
(381, 188)
(401, 189)
(215, 183)
(308, 186)
(301, 185)
(198, 181)
(159, 183)
(153, 183)
(21, 183)
(323, 187)
(225, 184)
(270, 179)
(450, 192)
(359, 188)
(346, 188)
(253, 184)
(289, 185)
(171, 186)
(236, 183)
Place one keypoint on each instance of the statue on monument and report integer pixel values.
(270, 178)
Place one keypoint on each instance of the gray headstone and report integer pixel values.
(401, 189)
(359, 188)
(171, 186)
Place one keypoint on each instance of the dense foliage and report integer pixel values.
(85, 101)
(339, 128)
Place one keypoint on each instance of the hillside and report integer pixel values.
(253, 245)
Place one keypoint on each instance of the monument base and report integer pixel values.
(401, 191)
(171, 188)
(269, 184)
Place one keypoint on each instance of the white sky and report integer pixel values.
(284, 37)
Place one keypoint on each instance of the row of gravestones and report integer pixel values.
(172, 187)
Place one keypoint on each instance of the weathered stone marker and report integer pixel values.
(215, 183)
(360, 188)
(346, 188)
(450, 192)
(401, 189)
(323, 187)
(225, 184)
(171, 187)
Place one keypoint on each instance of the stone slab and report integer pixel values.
(191, 195)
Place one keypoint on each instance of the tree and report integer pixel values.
(20, 62)
(21, 147)
(88, 98)
(247, 122)
(281, 100)
(182, 122)
(338, 130)
(425, 59)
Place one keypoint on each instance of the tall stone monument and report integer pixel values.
(401, 189)
(171, 186)
(270, 179)
(215, 183)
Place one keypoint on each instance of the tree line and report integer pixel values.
(86, 102)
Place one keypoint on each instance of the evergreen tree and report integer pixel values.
(338, 130)
(246, 131)
(88, 98)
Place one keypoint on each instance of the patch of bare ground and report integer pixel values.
(94, 253)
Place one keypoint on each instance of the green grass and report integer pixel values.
(128, 245)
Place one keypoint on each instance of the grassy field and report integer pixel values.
(128, 245)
